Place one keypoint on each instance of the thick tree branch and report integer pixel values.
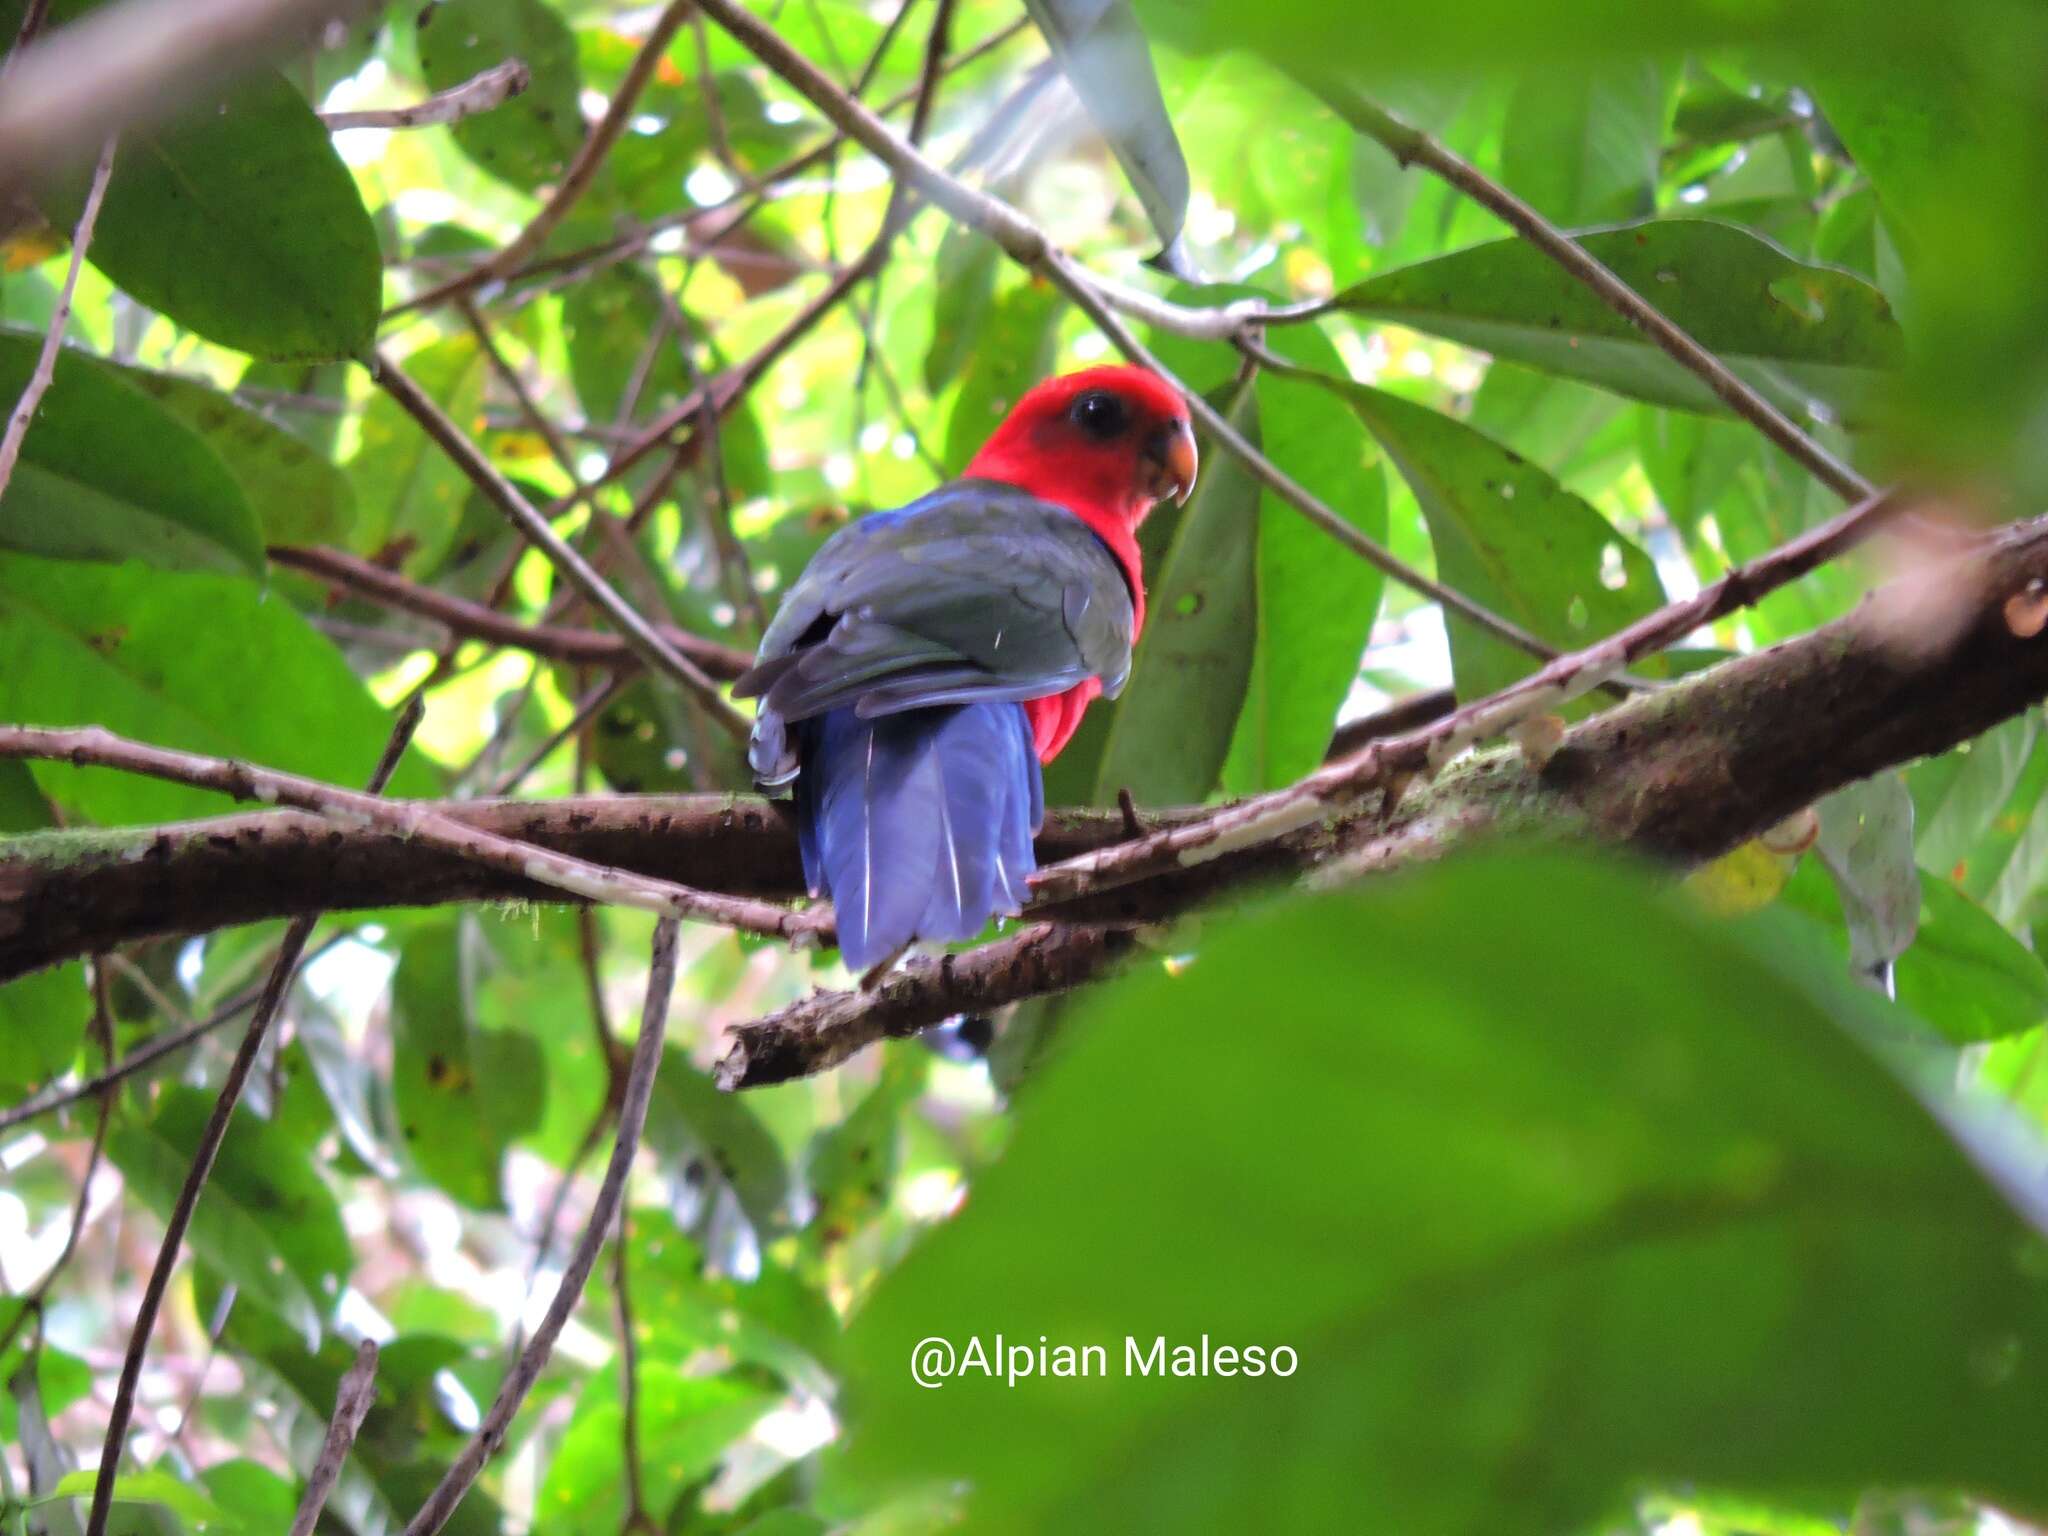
(1684, 774)
(423, 822)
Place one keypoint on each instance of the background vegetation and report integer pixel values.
(1589, 1203)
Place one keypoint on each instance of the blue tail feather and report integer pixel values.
(917, 825)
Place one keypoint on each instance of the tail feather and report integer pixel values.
(918, 825)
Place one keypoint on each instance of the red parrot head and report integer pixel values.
(1106, 443)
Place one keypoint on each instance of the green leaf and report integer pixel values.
(42, 1015)
(167, 659)
(530, 140)
(319, 428)
(448, 1073)
(105, 474)
(1315, 603)
(297, 495)
(238, 220)
(1013, 351)
(852, 1165)
(963, 291)
(1796, 333)
(1102, 50)
(1173, 727)
(1957, 795)
(252, 1494)
(609, 321)
(1866, 846)
(1582, 146)
(266, 1220)
(181, 1499)
(1622, 1176)
(410, 493)
(1510, 537)
(690, 1121)
(42, 1019)
(687, 1425)
(1966, 975)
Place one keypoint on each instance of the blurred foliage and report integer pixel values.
(1583, 1205)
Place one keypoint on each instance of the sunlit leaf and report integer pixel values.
(108, 474)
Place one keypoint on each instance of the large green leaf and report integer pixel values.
(204, 663)
(297, 494)
(1579, 1191)
(266, 1219)
(411, 494)
(446, 1072)
(530, 140)
(238, 220)
(1509, 536)
(1172, 730)
(1966, 975)
(1582, 146)
(1315, 603)
(1103, 52)
(1797, 333)
(105, 474)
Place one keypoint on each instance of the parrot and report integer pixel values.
(929, 660)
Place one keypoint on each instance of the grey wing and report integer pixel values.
(976, 593)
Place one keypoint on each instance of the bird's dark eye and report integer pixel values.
(1100, 414)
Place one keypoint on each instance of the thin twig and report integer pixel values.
(1411, 146)
(352, 1402)
(647, 642)
(520, 1379)
(423, 822)
(474, 621)
(820, 1031)
(637, 1521)
(46, 360)
(480, 93)
(210, 1139)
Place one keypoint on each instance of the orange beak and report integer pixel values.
(1170, 462)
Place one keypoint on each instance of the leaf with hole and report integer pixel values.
(530, 140)
(1507, 535)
